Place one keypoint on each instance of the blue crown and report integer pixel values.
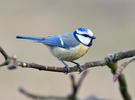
(83, 29)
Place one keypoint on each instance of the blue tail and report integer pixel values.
(30, 38)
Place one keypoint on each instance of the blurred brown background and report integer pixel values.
(112, 22)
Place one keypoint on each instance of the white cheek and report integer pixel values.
(83, 39)
(90, 32)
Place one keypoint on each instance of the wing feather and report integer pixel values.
(66, 40)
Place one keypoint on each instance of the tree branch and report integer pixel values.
(72, 96)
(116, 57)
(37, 97)
(122, 67)
(3, 53)
(76, 86)
(110, 61)
(122, 82)
(113, 58)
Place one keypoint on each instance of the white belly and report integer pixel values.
(68, 54)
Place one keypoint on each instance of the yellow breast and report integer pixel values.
(69, 54)
(81, 50)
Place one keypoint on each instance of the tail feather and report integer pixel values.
(30, 38)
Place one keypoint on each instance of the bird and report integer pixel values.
(67, 47)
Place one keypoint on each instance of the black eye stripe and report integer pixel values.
(85, 35)
(93, 37)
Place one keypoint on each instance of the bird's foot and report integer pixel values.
(66, 66)
(78, 65)
(68, 69)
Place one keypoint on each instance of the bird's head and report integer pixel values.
(84, 36)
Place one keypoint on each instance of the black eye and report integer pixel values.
(85, 35)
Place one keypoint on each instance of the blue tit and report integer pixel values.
(68, 46)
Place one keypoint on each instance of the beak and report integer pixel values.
(93, 37)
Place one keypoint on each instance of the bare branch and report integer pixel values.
(37, 97)
(122, 67)
(115, 57)
(110, 61)
(68, 97)
(122, 82)
(3, 53)
(123, 88)
(81, 80)
(73, 82)
(76, 86)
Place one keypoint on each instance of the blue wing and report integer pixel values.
(51, 40)
(66, 40)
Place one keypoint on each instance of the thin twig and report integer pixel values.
(81, 80)
(122, 67)
(123, 88)
(4, 53)
(37, 97)
(122, 82)
(73, 82)
(76, 86)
